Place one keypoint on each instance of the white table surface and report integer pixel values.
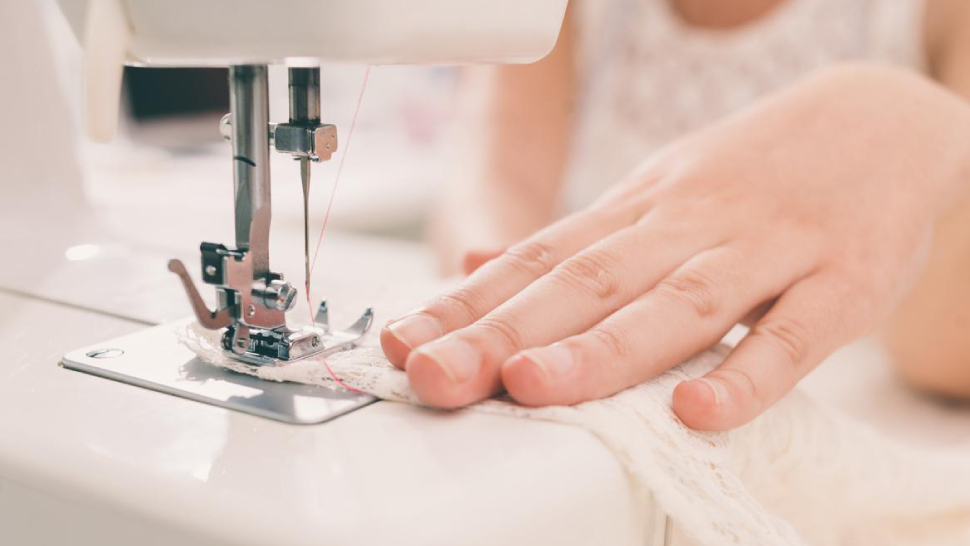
(101, 462)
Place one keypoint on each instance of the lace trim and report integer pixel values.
(800, 474)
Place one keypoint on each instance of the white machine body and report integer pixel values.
(224, 32)
(228, 32)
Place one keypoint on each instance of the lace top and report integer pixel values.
(649, 77)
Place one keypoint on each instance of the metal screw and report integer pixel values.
(315, 341)
(225, 127)
(251, 310)
(210, 270)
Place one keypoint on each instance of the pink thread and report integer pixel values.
(333, 190)
(326, 218)
(337, 379)
(340, 168)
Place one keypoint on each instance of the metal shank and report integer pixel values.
(249, 106)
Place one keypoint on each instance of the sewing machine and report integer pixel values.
(251, 298)
(115, 462)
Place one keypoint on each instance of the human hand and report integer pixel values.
(809, 215)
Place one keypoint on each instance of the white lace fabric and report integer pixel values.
(800, 474)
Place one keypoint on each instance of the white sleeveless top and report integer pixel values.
(648, 77)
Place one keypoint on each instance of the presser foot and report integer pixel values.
(279, 346)
(253, 315)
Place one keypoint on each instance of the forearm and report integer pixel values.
(929, 335)
(514, 133)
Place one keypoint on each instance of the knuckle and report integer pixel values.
(464, 300)
(631, 197)
(533, 258)
(591, 273)
(616, 340)
(504, 328)
(788, 335)
(623, 207)
(693, 289)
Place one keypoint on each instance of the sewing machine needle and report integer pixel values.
(305, 178)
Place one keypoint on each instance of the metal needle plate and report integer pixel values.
(155, 359)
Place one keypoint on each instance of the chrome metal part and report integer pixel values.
(277, 294)
(304, 136)
(154, 359)
(249, 106)
(275, 347)
(225, 129)
(322, 317)
(253, 299)
(304, 88)
(317, 143)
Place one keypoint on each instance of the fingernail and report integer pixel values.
(555, 360)
(717, 389)
(415, 330)
(457, 358)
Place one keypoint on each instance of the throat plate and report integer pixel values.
(155, 359)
